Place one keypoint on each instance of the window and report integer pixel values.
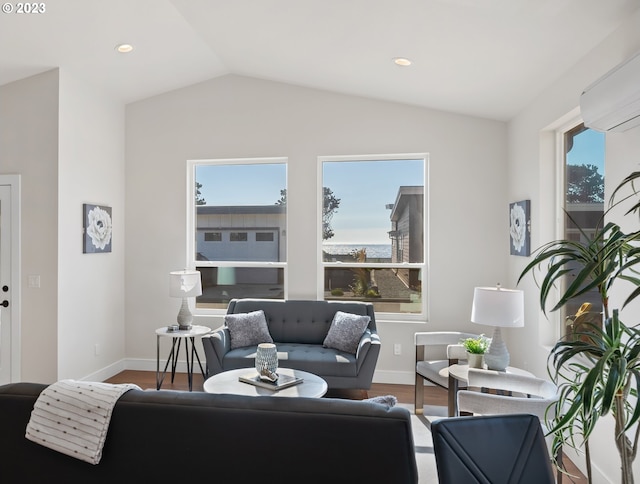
(238, 237)
(373, 232)
(264, 236)
(583, 168)
(238, 204)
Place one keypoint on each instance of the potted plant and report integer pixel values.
(596, 368)
(476, 348)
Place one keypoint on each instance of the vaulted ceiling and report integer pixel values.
(486, 58)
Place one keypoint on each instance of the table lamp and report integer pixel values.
(185, 284)
(502, 308)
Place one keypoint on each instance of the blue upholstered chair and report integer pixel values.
(494, 449)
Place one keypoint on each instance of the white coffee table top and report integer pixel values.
(227, 382)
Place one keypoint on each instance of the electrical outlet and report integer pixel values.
(96, 349)
(397, 349)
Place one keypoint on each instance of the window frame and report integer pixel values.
(559, 317)
(423, 315)
(191, 262)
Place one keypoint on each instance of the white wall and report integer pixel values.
(234, 117)
(531, 175)
(29, 147)
(90, 286)
(67, 142)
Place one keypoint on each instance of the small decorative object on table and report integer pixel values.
(476, 348)
(267, 361)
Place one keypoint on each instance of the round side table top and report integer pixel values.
(227, 382)
(461, 372)
(189, 333)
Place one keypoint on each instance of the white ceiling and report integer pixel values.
(486, 58)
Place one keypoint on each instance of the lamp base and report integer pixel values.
(497, 358)
(185, 318)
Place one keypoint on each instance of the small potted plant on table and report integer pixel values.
(476, 348)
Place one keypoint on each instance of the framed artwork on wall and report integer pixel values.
(520, 228)
(96, 228)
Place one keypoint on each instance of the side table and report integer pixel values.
(459, 373)
(177, 337)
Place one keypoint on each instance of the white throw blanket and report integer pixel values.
(73, 417)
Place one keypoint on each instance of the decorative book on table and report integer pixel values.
(283, 381)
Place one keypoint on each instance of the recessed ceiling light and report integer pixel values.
(402, 61)
(124, 48)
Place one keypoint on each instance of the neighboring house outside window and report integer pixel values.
(239, 229)
(373, 241)
(407, 237)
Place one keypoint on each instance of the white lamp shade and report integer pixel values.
(185, 284)
(494, 306)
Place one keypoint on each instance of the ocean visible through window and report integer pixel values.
(375, 251)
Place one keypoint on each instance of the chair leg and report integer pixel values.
(419, 397)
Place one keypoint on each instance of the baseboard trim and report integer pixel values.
(394, 377)
(106, 372)
(140, 364)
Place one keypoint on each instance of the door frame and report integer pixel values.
(13, 181)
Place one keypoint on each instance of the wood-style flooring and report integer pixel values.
(404, 394)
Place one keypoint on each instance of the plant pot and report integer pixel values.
(475, 360)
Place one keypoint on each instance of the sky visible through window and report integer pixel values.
(256, 184)
(588, 149)
(363, 187)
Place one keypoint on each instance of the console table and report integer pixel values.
(459, 373)
(188, 336)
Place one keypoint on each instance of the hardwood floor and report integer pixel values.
(404, 394)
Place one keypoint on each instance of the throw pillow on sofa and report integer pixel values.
(345, 332)
(388, 400)
(247, 329)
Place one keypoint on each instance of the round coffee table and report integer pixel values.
(312, 385)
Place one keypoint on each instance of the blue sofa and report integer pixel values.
(298, 328)
(173, 436)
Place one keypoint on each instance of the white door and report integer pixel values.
(9, 342)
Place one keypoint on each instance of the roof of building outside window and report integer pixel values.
(240, 209)
(401, 199)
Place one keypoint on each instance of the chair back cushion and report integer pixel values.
(300, 321)
(491, 449)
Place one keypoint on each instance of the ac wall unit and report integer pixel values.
(612, 103)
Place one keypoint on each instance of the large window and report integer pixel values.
(583, 168)
(239, 229)
(373, 232)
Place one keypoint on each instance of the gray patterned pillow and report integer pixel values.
(345, 332)
(388, 400)
(247, 329)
